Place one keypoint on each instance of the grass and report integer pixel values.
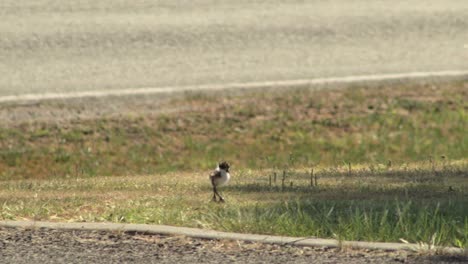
(379, 164)
(411, 202)
(357, 125)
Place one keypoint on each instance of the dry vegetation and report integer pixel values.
(302, 127)
(388, 163)
(420, 202)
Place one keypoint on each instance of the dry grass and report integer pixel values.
(400, 124)
(253, 203)
(389, 163)
(98, 194)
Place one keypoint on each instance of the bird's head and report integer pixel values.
(224, 166)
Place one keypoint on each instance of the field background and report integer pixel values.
(380, 163)
(94, 45)
(363, 163)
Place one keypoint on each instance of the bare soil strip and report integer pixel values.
(19, 245)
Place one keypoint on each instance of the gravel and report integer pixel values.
(43, 246)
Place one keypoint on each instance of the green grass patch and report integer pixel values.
(441, 224)
(356, 164)
(420, 203)
(357, 125)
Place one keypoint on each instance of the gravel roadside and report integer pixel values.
(42, 245)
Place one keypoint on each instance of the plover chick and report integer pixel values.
(219, 177)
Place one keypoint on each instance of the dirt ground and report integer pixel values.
(58, 246)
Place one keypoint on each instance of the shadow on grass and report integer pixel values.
(421, 206)
(448, 183)
(422, 191)
(430, 222)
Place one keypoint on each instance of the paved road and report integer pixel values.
(58, 46)
(54, 246)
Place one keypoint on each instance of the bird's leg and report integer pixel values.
(221, 199)
(214, 193)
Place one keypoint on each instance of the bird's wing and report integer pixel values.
(215, 174)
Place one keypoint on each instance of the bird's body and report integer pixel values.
(220, 176)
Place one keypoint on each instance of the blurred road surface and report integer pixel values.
(74, 46)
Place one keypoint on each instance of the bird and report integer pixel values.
(219, 177)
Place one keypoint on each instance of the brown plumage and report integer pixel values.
(218, 177)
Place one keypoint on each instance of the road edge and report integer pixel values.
(281, 84)
(218, 235)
